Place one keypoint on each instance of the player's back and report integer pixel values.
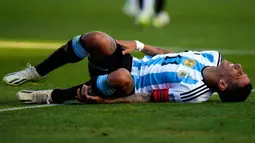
(181, 73)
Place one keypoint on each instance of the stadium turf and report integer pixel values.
(218, 24)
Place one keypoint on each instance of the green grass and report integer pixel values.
(131, 123)
(218, 24)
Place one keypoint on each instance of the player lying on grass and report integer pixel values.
(116, 76)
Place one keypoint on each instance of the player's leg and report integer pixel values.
(161, 17)
(65, 54)
(148, 6)
(160, 6)
(140, 2)
(103, 52)
(131, 7)
(97, 45)
(117, 83)
(147, 12)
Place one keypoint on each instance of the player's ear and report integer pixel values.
(222, 85)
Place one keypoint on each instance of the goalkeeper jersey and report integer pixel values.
(181, 73)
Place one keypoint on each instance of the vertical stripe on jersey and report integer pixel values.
(169, 60)
(208, 56)
(162, 78)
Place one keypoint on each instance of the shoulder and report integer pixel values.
(213, 56)
(216, 54)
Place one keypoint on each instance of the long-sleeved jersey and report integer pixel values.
(181, 73)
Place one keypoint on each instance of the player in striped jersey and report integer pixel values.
(116, 76)
(179, 72)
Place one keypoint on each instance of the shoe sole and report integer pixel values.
(23, 81)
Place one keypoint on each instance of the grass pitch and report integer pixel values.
(207, 24)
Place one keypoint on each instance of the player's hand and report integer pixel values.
(83, 96)
(128, 46)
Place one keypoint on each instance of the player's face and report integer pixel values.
(233, 73)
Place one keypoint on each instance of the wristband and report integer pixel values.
(139, 45)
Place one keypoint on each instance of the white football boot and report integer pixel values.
(20, 77)
(161, 20)
(35, 96)
(143, 19)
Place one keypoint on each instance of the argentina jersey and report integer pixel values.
(181, 73)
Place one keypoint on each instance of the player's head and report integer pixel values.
(233, 84)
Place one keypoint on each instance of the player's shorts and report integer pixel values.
(115, 61)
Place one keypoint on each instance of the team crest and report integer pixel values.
(189, 63)
(182, 73)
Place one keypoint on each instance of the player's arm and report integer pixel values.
(134, 98)
(130, 46)
(160, 95)
(152, 51)
(155, 96)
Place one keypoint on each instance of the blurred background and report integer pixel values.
(224, 25)
(209, 24)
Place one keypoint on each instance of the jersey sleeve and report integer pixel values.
(198, 94)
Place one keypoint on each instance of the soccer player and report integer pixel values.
(116, 76)
(153, 13)
(147, 12)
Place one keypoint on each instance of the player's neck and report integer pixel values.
(210, 76)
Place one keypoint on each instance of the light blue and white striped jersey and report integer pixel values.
(181, 73)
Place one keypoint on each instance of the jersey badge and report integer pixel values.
(182, 73)
(189, 63)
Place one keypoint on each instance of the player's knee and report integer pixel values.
(120, 76)
(121, 79)
(98, 43)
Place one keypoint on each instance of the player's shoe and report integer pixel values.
(143, 19)
(20, 77)
(35, 96)
(161, 20)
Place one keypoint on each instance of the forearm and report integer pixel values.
(147, 50)
(152, 50)
(134, 98)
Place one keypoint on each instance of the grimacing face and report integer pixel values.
(233, 73)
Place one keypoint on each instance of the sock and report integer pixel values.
(141, 4)
(62, 95)
(104, 86)
(71, 52)
(159, 6)
(148, 7)
(99, 86)
(132, 3)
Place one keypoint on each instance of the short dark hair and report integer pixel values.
(238, 94)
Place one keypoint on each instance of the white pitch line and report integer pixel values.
(28, 107)
(30, 45)
(55, 45)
